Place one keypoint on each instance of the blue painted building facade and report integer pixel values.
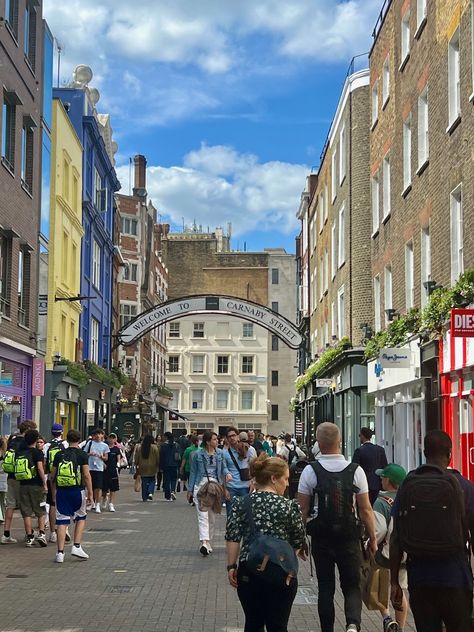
(98, 207)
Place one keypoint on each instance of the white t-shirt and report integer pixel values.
(284, 453)
(96, 464)
(331, 463)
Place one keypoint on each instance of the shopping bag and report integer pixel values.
(138, 483)
(374, 584)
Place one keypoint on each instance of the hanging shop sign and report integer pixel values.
(462, 323)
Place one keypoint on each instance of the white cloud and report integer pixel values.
(217, 184)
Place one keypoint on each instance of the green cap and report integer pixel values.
(395, 473)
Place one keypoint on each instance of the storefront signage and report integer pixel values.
(37, 388)
(395, 358)
(324, 383)
(253, 312)
(462, 323)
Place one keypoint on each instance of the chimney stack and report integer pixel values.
(140, 175)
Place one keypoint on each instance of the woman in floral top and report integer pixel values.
(264, 604)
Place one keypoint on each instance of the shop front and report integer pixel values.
(456, 366)
(339, 395)
(96, 406)
(394, 379)
(16, 399)
(61, 403)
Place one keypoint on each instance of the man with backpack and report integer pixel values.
(69, 476)
(12, 499)
(50, 450)
(290, 452)
(370, 457)
(29, 471)
(329, 490)
(433, 520)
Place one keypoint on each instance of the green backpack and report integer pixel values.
(68, 472)
(25, 469)
(9, 461)
(55, 447)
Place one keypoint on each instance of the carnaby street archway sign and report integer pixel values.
(210, 304)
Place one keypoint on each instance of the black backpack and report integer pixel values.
(336, 514)
(431, 518)
(295, 475)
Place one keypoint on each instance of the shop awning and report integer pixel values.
(170, 410)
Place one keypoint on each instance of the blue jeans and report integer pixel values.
(170, 478)
(234, 491)
(148, 486)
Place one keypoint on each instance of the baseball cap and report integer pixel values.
(392, 471)
(243, 436)
(57, 428)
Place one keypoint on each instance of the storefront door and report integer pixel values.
(388, 434)
(466, 437)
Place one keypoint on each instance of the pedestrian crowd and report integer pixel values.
(396, 539)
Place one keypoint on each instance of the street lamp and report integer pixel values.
(391, 313)
(431, 286)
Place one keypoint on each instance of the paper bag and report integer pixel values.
(138, 483)
(374, 584)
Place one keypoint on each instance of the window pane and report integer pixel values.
(247, 330)
(174, 331)
(247, 400)
(173, 364)
(275, 276)
(198, 364)
(198, 330)
(247, 364)
(223, 364)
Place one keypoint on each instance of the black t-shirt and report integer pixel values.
(112, 461)
(81, 458)
(18, 444)
(38, 457)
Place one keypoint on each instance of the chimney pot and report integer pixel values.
(140, 171)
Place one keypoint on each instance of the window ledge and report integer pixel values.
(386, 217)
(5, 317)
(404, 62)
(26, 189)
(384, 104)
(374, 124)
(340, 184)
(420, 28)
(406, 190)
(341, 264)
(452, 126)
(29, 65)
(12, 33)
(23, 327)
(375, 233)
(8, 167)
(471, 98)
(422, 167)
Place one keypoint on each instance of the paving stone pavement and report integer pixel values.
(144, 574)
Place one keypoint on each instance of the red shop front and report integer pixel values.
(456, 367)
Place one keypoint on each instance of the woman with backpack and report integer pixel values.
(208, 475)
(147, 460)
(265, 518)
(170, 459)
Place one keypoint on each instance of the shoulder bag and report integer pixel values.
(244, 472)
(270, 558)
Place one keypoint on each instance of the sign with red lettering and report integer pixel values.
(462, 323)
(37, 387)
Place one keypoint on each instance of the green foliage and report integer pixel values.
(114, 378)
(432, 319)
(326, 358)
(76, 372)
(163, 390)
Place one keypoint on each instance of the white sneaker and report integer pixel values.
(173, 496)
(97, 508)
(351, 628)
(8, 540)
(53, 536)
(59, 558)
(111, 507)
(78, 551)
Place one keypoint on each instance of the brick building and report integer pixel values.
(422, 195)
(140, 283)
(21, 54)
(338, 240)
(222, 370)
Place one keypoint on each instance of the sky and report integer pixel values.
(229, 100)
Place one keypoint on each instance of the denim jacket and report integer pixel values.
(198, 471)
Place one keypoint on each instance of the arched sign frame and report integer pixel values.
(210, 304)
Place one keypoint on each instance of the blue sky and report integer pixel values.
(229, 100)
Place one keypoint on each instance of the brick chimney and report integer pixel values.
(140, 175)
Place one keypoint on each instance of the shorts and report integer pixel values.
(111, 482)
(12, 500)
(97, 479)
(49, 495)
(70, 503)
(32, 501)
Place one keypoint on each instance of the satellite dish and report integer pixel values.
(94, 95)
(82, 74)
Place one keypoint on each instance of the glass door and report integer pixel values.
(466, 437)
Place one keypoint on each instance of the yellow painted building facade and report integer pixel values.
(64, 260)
